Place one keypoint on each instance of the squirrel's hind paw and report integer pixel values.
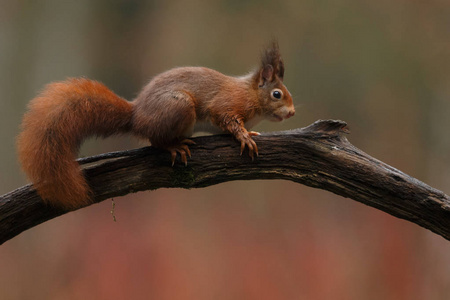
(182, 149)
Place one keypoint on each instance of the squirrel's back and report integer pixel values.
(58, 120)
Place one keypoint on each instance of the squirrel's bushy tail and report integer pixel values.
(58, 120)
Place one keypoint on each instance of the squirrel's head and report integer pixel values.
(275, 99)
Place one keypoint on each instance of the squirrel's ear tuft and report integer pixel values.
(272, 56)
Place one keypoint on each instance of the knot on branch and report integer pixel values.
(326, 129)
(330, 127)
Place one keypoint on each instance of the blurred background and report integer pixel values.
(382, 66)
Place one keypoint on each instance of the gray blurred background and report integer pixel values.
(382, 66)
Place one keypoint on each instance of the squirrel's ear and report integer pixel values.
(272, 57)
(265, 75)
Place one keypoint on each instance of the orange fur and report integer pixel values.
(58, 120)
(166, 112)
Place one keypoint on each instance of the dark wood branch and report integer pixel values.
(319, 156)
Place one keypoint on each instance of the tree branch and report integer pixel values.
(319, 156)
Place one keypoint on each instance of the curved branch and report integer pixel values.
(319, 156)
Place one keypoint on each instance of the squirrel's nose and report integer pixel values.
(290, 114)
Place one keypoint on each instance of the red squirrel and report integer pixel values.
(168, 110)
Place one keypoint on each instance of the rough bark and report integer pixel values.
(319, 156)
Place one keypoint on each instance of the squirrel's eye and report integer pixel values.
(276, 94)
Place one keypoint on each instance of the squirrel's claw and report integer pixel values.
(182, 149)
(174, 156)
(251, 145)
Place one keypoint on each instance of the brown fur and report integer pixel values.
(165, 112)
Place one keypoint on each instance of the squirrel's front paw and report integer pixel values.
(246, 140)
